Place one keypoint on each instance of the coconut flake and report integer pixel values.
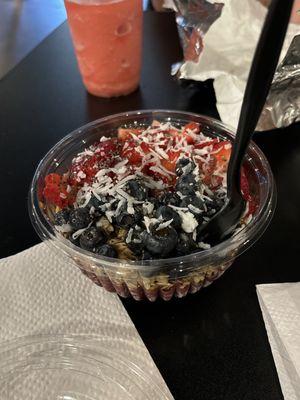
(64, 228)
(121, 164)
(109, 214)
(201, 152)
(122, 202)
(152, 184)
(204, 246)
(195, 209)
(181, 196)
(100, 173)
(80, 231)
(167, 171)
(81, 175)
(129, 236)
(194, 235)
(188, 221)
(148, 208)
(178, 208)
(208, 191)
(159, 170)
(161, 152)
(164, 225)
(124, 181)
(149, 221)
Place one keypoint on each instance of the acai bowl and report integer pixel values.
(124, 198)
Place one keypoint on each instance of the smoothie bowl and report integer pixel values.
(124, 197)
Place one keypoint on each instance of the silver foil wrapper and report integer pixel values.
(194, 18)
(282, 107)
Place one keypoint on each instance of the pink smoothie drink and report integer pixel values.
(107, 37)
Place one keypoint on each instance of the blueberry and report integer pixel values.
(96, 204)
(90, 238)
(201, 235)
(136, 243)
(125, 220)
(136, 190)
(74, 241)
(215, 204)
(167, 213)
(184, 166)
(138, 212)
(79, 218)
(185, 244)
(154, 200)
(170, 198)
(146, 255)
(186, 185)
(162, 242)
(107, 251)
(213, 207)
(192, 200)
(199, 218)
(62, 217)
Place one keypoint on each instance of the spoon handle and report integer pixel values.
(259, 81)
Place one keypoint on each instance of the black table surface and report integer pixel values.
(211, 345)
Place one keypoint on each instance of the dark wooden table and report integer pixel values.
(211, 345)
(23, 25)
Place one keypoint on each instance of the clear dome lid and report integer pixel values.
(71, 368)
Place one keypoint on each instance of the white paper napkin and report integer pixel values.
(40, 293)
(280, 305)
(228, 51)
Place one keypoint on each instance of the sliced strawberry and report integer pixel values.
(53, 179)
(156, 175)
(252, 205)
(172, 132)
(109, 147)
(126, 134)
(51, 193)
(216, 181)
(221, 152)
(132, 153)
(205, 144)
(245, 185)
(71, 198)
(146, 169)
(129, 151)
(170, 164)
(190, 130)
(207, 170)
(63, 199)
(245, 189)
(104, 156)
(88, 167)
(145, 147)
(192, 126)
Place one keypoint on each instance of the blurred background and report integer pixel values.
(25, 23)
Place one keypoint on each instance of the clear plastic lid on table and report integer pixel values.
(71, 367)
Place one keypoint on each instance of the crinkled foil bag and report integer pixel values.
(196, 17)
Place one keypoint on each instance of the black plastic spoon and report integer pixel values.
(259, 81)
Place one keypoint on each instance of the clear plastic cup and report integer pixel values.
(163, 278)
(107, 38)
(77, 367)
